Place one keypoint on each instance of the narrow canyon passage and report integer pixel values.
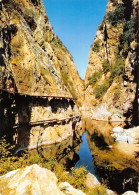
(46, 109)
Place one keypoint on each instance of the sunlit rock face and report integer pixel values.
(111, 77)
(34, 180)
(38, 72)
(49, 122)
(32, 56)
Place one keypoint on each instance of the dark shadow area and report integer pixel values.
(15, 110)
(135, 119)
(119, 181)
(59, 103)
(35, 2)
(99, 141)
(7, 115)
(24, 107)
(2, 63)
(128, 10)
(134, 110)
(71, 162)
(72, 103)
(64, 152)
(7, 32)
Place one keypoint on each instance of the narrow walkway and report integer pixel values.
(43, 122)
(25, 90)
(39, 95)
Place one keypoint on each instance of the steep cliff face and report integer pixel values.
(111, 77)
(33, 59)
(37, 77)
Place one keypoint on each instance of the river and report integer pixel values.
(94, 151)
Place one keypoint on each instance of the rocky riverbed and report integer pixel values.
(40, 181)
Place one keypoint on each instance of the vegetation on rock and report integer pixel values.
(118, 67)
(117, 15)
(56, 42)
(100, 90)
(119, 161)
(9, 162)
(29, 16)
(128, 34)
(106, 66)
(95, 77)
(96, 46)
(117, 94)
(98, 190)
(115, 70)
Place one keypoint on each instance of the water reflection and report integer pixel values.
(102, 129)
(92, 150)
(65, 152)
(116, 171)
(85, 157)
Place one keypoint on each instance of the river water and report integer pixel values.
(93, 151)
(85, 157)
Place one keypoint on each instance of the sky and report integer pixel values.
(75, 22)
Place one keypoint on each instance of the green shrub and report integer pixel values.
(78, 178)
(118, 67)
(65, 77)
(94, 78)
(13, 5)
(29, 16)
(9, 162)
(117, 15)
(128, 35)
(96, 46)
(116, 70)
(29, 12)
(106, 66)
(117, 94)
(5, 149)
(98, 190)
(56, 42)
(99, 91)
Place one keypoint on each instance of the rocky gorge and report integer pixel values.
(38, 88)
(112, 73)
(43, 101)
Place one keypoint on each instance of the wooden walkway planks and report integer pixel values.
(43, 122)
(37, 96)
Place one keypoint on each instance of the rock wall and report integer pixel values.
(35, 64)
(111, 77)
(35, 121)
(33, 59)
